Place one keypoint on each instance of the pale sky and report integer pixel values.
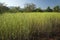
(38, 3)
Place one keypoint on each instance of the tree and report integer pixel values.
(57, 9)
(3, 8)
(29, 7)
(14, 9)
(38, 10)
(49, 9)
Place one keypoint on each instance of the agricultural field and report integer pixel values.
(25, 26)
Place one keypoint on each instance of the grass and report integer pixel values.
(20, 26)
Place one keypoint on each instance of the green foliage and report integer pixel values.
(49, 9)
(57, 9)
(29, 7)
(38, 10)
(14, 9)
(3, 8)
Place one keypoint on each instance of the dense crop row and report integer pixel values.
(25, 26)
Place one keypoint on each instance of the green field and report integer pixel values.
(16, 26)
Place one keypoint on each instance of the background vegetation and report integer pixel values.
(29, 7)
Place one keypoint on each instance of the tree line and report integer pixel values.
(29, 7)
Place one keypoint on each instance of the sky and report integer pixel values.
(39, 3)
